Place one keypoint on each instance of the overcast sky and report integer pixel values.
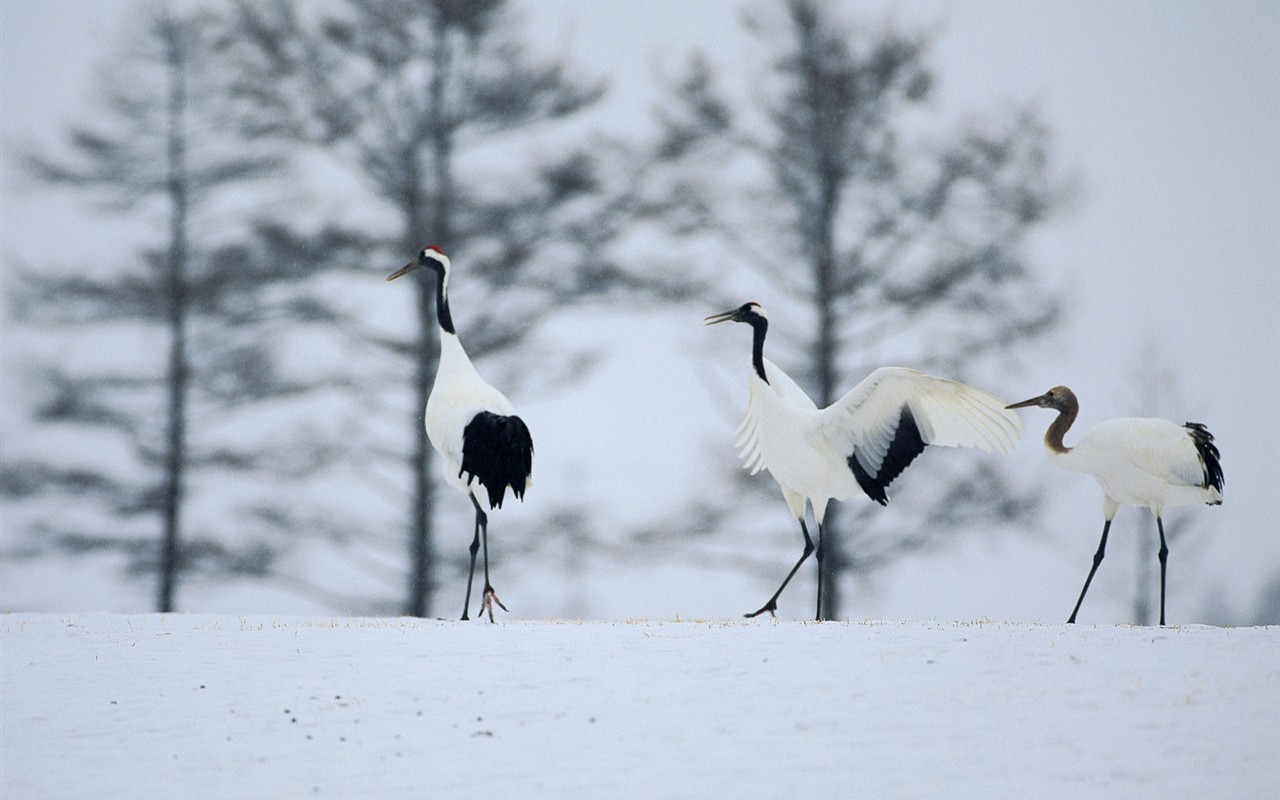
(1167, 114)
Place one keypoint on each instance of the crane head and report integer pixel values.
(431, 257)
(1059, 398)
(750, 313)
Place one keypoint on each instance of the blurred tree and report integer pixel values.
(885, 240)
(1267, 611)
(451, 124)
(156, 149)
(1155, 393)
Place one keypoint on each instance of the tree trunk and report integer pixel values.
(421, 551)
(826, 354)
(826, 357)
(440, 230)
(1144, 586)
(824, 180)
(178, 377)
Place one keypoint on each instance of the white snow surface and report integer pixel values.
(225, 706)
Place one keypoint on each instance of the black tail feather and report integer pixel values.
(497, 450)
(1209, 455)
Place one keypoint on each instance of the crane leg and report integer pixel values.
(817, 614)
(1097, 559)
(772, 605)
(475, 548)
(489, 597)
(1164, 559)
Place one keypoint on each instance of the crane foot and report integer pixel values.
(490, 597)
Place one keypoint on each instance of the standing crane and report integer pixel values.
(861, 442)
(1150, 463)
(473, 426)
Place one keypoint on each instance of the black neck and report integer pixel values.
(760, 325)
(442, 305)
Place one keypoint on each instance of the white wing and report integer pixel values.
(867, 420)
(748, 443)
(780, 383)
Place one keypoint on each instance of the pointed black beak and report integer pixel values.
(407, 268)
(716, 319)
(1039, 400)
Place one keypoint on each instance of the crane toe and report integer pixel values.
(486, 604)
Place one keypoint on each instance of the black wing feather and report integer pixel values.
(906, 445)
(498, 451)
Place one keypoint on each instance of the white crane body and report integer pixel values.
(1138, 461)
(771, 427)
(458, 395)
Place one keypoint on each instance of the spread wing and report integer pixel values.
(888, 419)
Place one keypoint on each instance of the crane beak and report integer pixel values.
(716, 319)
(407, 268)
(1039, 400)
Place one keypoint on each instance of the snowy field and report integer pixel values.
(223, 706)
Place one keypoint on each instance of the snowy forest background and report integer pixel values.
(212, 400)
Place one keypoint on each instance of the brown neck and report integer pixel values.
(1058, 428)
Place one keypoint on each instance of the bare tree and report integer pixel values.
(1267, 611)
(156, 145)
(878, 239)
(413, 96)
(1155, 393)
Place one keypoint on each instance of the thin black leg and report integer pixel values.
(1097, 559)
(481, 519)
(817, 613)
(1164, 559)
(489, 597)
(772, 605)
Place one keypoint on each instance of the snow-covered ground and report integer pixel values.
(225, 706)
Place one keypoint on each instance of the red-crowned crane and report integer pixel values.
(1137, 462)
(861, 442)
(473, 426)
